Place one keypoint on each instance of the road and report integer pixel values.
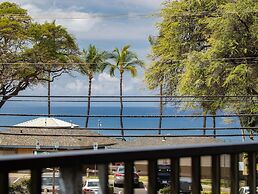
(136, 190)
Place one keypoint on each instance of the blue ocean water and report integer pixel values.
(150, 123)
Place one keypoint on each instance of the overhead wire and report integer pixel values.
(135, 96)
(86, 16)
(124, 116)
(84, 63)
(125, 136)
(74, 128)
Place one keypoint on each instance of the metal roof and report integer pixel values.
(47, 122)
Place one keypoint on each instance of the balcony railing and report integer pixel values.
(70, 165)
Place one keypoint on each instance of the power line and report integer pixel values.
(86, 16)
(83, 63)
(129, 101)
(135, 96)
(83, 16)
(127, 116)
(127, 129)
(119, 136)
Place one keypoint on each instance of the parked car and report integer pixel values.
(163, 179)
(47, 183)
(119, 176)
(245, 190)
(91, 186)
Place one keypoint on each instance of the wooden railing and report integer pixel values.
(70, 165)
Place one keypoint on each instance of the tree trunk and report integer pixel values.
(3, 101)
(121, 104)
(214, 125)
(49, 94)
(242, 130)
(160, 109)
(204, 122)
(88, 108)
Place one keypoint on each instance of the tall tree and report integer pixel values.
(213, 45)
(155, 71)
(182, 31)
(15, 72)
(234, 42)
(94, 61)
(55, 50)
(124, 60)
(203, 78)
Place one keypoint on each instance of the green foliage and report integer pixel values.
(94, 61)
(165, 190)
(208, 48)
(24, 43)
(21, 187)
(54, 47)
(124, 60)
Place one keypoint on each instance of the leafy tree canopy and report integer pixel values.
(208, 47)
(23, 43)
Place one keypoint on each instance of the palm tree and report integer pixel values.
(125, 60)
(94, 62)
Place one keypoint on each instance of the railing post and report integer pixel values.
(252, 172)
(71, 179)
(36, 180)
(103, 178)
(174, 174)
(196, 175)
(215, 174)
(4, 182)
(129, 178)
(234, 173)
(152, 176)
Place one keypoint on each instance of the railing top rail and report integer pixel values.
(8, 163)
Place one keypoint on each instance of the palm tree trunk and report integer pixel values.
(121, 104)
(88, 107)
(214, 125)
(204, 122)
(49, 94)
(242, 130)
(160, 109)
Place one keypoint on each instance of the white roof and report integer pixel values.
(46, 122)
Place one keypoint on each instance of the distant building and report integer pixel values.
(31, 137)
(47, 122)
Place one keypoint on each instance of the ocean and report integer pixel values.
(150, 123)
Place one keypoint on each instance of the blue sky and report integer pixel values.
(96, 23)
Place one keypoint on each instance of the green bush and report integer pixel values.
(165, 190)
(21, 187)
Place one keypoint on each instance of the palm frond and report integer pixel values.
(132, 69)
(112, 70)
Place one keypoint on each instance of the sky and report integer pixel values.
(106, 24)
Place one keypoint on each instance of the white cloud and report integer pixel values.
(105, 85)
(90, 26)
(154, 4)
(94, 28)
(75, 21)
(76, 87)
(127, 30)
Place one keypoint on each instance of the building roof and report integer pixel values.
(47, 122)
(49, 138)
(164, 141)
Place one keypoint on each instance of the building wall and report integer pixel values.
(25, 151)
(8, 151)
